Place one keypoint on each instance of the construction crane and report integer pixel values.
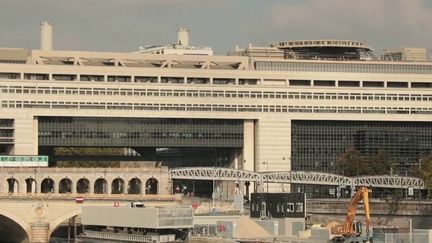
(351, 231)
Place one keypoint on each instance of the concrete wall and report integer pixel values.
(120, 216)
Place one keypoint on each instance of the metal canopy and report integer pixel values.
(295, 177)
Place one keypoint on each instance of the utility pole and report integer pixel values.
(266, 163)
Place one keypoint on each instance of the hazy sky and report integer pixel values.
(124, 25)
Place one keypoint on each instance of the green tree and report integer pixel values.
(424, 171)
(88, 164)
(381, 163)
(89, 151)
(351, 163)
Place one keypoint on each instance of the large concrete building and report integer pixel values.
(296, 108)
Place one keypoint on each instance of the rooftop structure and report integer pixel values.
(338, 50)
(408, 54)
(181, 47)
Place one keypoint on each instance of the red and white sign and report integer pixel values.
(79, 199)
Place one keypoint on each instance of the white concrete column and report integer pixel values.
(15, 187)
(248, 145)
(23, 187)
(91, 186)
(73, 186)
(143, 187)
(123, 187)
(26, 136)
(33, 186)
(108, 186)
(36, 186)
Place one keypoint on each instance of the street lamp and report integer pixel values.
(266, 163)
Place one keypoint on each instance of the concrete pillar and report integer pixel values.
(91, 187)
(122, 187)
(15, 187)
(248, 145)
(73, 187)
(37, 186)
(109, 189)
(39, 232)
(143, 187)
(235, 161)
(33, 186)
(23, 187)
(26, 136)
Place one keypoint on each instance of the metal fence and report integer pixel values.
(403, 238)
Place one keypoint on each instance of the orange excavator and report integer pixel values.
(351, 231)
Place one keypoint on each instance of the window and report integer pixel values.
(349, 83)
(299, 207)
(324, 83)
(298, 82)
(290, 207)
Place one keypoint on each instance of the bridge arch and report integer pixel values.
(30, 185)
(47, 185)
(152, 185)
(13, 185)
(83, 185)
(100, 186)
(57, 222)
(134, 186)
(117, 186)
(24, 226)
(65, 185)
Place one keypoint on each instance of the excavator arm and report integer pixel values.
(362, 193)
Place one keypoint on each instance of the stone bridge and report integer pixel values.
(37, 200)
(33, 218)
(145, 180)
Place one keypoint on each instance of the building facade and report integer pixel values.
(276, 113)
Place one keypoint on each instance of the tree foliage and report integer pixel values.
(88, 164)
(90, 151)
(352, 163)
(424, 171)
